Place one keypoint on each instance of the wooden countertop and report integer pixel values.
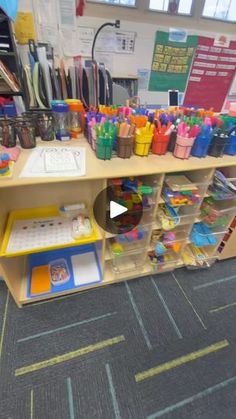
(117, 167)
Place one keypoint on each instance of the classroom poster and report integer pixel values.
(212, 74)
(171, 63)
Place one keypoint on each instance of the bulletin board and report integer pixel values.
(171, 62)
(212, 74)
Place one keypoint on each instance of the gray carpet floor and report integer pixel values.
(157, 347)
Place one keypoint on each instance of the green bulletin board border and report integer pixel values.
(162, 81)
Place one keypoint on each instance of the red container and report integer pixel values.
(160, 143)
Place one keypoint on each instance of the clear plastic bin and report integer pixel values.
(169, 241)
(129, 243)
(183, 190)
(133, 262)
(217, 213)
(167, 263)
(198, 258)
(202, 236)
(183, 216)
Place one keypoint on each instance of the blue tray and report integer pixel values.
(38, 259)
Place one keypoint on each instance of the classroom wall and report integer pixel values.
(145, 23)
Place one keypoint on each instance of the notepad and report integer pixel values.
(40, 280)
(85, 269)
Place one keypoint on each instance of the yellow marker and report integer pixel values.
(180, 361)
(69, 355)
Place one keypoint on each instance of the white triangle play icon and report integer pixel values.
(116, 209)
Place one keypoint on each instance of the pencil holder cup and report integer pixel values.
(103, 148)
(200, 146)
(8, 133)
(26, 134)
(142, 144)
(45, 125)
(172, 141)
(231, 147)
(32, 116)
(125, 146)
(218, 146)
(160, 144)
(183, 147)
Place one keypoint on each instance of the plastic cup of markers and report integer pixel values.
(125, 146)
(183, 147)
(200, 146)
(104, 148)
(142, 144)
(218, 146)
(160, 143)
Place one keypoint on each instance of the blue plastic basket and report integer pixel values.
(231, 147)
(200, 146)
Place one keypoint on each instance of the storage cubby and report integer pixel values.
(127, 255)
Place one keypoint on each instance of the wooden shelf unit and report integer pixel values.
(18, 193)
(10, 58)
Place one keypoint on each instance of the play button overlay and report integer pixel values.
(118, 209)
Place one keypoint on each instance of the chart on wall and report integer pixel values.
(212, 74)
(171, 62)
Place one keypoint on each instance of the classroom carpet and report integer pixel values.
(162, 346)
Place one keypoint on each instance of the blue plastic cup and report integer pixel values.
(200, 146)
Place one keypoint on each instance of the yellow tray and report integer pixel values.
(30, 213)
